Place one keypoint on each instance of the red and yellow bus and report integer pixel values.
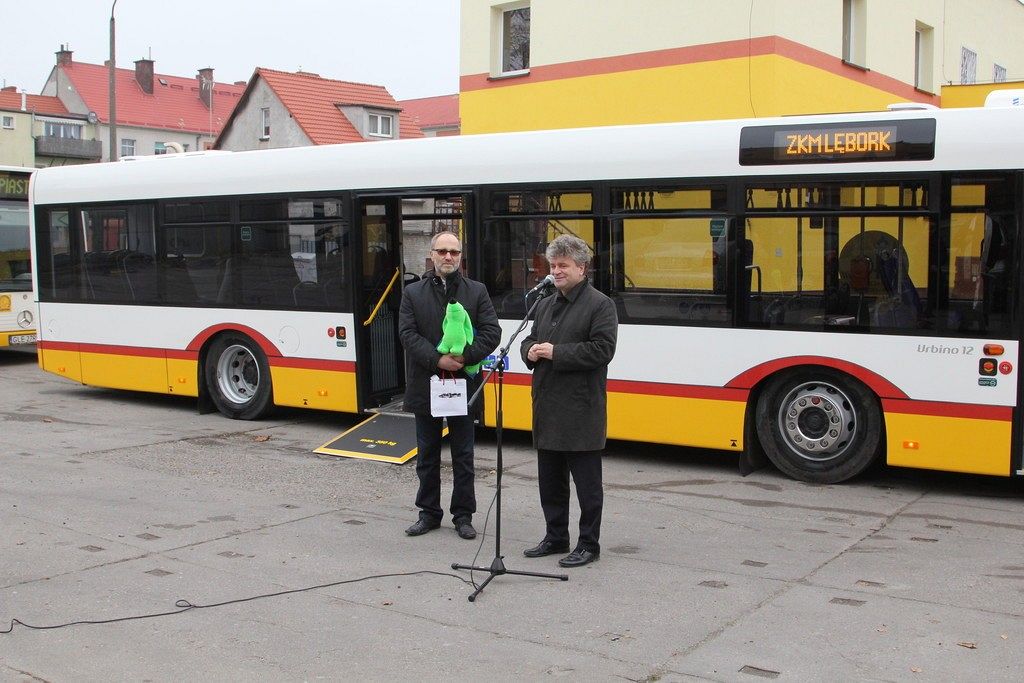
(831, 289)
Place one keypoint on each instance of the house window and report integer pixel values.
(998, 74)
(923, 49)
(63, 130)
(8, 122)
(159, 148)
(265, 123)
(127, 147)
(968, 66)
(381, 125)
(515, 39)
(854, 26)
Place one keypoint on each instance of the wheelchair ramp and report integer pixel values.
(386, 437)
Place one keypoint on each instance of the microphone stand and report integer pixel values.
(497, 566)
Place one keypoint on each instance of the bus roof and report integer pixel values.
(965, 139)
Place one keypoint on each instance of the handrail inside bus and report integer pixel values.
(756, 269)
(387, 290)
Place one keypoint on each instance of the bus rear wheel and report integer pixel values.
(819, 425)
(238, 378)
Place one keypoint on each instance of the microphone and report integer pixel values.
(548, 280)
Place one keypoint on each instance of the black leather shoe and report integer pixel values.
(579, 557)
(464, 529)
(421, 527)
(546, 548)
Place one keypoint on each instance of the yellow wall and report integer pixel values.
(621, 61)
(17, 146)
(973, 95)
(685, 92)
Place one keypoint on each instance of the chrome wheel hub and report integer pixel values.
(238, 374)
(817, 421)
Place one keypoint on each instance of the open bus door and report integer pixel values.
(381, 366)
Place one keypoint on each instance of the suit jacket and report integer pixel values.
(419, 327)
(570, 392)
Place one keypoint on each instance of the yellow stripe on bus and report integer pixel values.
(117, 371)
(952, 444)
(67, 364)
(702, 423)
(320, 389)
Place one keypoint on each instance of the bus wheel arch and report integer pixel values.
(818, 424)
(237, 376)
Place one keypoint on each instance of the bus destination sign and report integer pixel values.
(13, 185)
(829, 143)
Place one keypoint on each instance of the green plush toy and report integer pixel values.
(457, 333)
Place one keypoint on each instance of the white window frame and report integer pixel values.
(501, 11)
(265, 123)
(998, 73)
(8, 122)
(924, 36)
(129, 145)
(374, 127)
(854, 28)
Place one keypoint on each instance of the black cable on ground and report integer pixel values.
(185, 605)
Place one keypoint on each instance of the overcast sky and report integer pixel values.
(409, 46)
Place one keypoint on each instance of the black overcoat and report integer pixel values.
(419, 327)
(570, 392)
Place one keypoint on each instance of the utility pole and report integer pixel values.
(113, 92)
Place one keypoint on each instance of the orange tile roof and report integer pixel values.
(433, 112)
(175, 105)
(313, 101)
(10, 100)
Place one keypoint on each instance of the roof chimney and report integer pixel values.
(63, 56)
(144, 75)
(205, 78)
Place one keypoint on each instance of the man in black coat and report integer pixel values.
(569, 349)
(419, 326)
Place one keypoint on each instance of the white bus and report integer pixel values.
(17, 303)
(827, 290)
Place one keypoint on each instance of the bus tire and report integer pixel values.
(238, 378)
(819, 425)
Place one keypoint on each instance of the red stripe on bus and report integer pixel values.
(694, 54)
(117, 350)
(622, 386)
(57, 346)
(942, 409)
(182, 355)
(878, 384)
(314, 364)
(268, 346)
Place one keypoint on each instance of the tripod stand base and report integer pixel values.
(497, 568)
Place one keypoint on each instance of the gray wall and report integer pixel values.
(247, 124)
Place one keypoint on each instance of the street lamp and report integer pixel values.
(113, 93)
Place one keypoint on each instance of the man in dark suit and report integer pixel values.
(419, 327)
(569, 349)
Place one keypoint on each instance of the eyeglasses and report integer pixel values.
(446, 252)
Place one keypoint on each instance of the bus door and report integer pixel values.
(381, 369)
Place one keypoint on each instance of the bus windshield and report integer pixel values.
(15, 264)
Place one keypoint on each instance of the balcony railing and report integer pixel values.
(52, 146)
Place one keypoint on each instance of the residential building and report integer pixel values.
(436, 116)
(533, 64)
(153, 110)
(284, 109)
(38, 131)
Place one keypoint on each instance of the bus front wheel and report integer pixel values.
(238, 378)
(819, 425)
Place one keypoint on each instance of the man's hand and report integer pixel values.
(538, 351)
(450, 363)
